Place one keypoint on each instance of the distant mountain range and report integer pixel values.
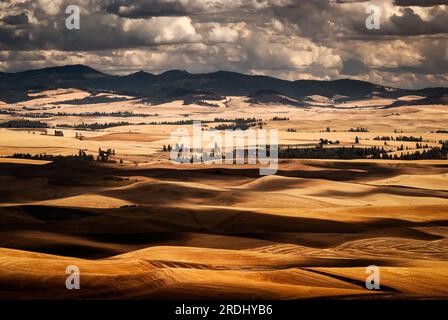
(178, 84)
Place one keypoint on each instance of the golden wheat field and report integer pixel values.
(148, 228)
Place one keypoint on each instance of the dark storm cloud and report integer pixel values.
(141, 9)
(421, 3)
(351, 1)
(410, 23)
(16, 19)
(155, 8)
(354, 67)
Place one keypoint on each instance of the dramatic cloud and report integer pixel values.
(16, 19)
(150, 8)
(422, 3)
(291, 39)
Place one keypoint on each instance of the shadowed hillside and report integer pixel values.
(163, 232)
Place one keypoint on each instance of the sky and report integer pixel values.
(288, 39)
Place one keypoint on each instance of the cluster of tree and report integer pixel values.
(383, 138)
(207, 104)
(48, 157)
(421, 146)
(409, 139)
(177, 123)
(42, 108)
(238, 125)
(402, 148)
(97, 126)
(238, 120)
(200, 99)
(358, 130)
(332, 153)
(94, 100)
(167, 148)
(399, 138)
(103, 155)
(280, 119)
(83, 155)
(433, 153)
(23, 124)
(291, 130)
(442, 131)
(35, 115)
(188, 101)
(326, 141)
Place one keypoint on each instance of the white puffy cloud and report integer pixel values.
(391, 54)
(161, 30)
(222, 33)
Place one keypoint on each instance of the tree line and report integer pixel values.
(118, 114)
(23, 124)
(346, 153)
(103, 156)
(399, 138)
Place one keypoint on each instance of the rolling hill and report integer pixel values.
(15, 86)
